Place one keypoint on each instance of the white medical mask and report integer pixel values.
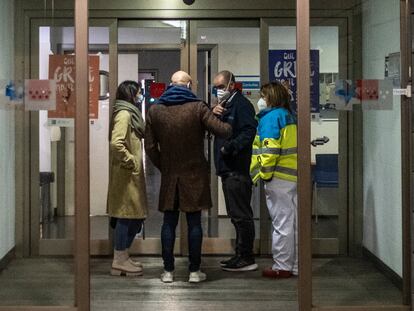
(222, 94)
(139, 99)
(261, 104)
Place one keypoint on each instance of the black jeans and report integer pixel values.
(195, 239)
(237, 195)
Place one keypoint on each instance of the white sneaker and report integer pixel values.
(167, 277)
(197, 277)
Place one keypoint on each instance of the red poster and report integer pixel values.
(239, 86)
(62, 69)
(156, 89)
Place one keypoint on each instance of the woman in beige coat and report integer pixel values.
(127, 203)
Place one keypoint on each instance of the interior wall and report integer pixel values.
(7, 134)
(164, 63)
(382, 139)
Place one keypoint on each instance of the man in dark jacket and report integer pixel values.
(232, 160)
(174, 141)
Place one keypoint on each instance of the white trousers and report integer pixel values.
(281, 200)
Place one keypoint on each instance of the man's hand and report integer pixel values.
(219, 110)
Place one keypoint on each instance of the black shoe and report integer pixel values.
(228, 261)
(241, 264)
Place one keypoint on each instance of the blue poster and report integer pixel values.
(282, 67)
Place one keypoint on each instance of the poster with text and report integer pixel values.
(282, 68)
(62, 69)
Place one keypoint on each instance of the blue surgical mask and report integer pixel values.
(261, 104)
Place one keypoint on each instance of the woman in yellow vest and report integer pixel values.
(274, 160)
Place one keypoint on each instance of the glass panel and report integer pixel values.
(150, 54)
(235, 49)
(56, 137)
(324, 129)
(57, 142)
(30, 145)
(282, 68)
(99, 129)
(356, 198)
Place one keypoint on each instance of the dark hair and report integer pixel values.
(228, 76)
(276, 95)
(127, 91)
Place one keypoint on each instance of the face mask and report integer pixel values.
(261, 104)
(221, 94)
(224, 94)
(139, 99)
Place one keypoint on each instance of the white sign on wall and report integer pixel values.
(40, 95)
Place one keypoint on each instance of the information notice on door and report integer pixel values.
(282, 68)
(62, 69)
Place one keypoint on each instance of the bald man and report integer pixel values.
(174, 141)
(181, 78)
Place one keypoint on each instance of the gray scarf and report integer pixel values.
(137, 122)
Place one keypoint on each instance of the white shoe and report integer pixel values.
(167, 277)
(197, 277)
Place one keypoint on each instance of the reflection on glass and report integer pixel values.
(236, 46)
(34, 281)
(355, 204)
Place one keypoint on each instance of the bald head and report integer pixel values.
(181, 78)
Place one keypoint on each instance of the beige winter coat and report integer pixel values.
(126, 193)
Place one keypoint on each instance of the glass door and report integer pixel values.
(150, 52)
(328, 128)
(232, 46)
(54, 45)
(363, 78)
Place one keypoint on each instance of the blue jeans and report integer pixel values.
(125, 232)
(195, 239)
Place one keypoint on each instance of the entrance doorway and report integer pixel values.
(374, 193)
(150, 51)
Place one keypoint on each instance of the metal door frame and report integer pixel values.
(304, 190)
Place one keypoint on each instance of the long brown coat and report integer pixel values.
(174, 141)
(126, 191)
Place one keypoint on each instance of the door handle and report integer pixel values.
(320, 141)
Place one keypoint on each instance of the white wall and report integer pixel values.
(7, 151)
(382, 140)
(239, 47)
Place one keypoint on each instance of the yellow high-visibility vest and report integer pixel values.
(275, 146)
